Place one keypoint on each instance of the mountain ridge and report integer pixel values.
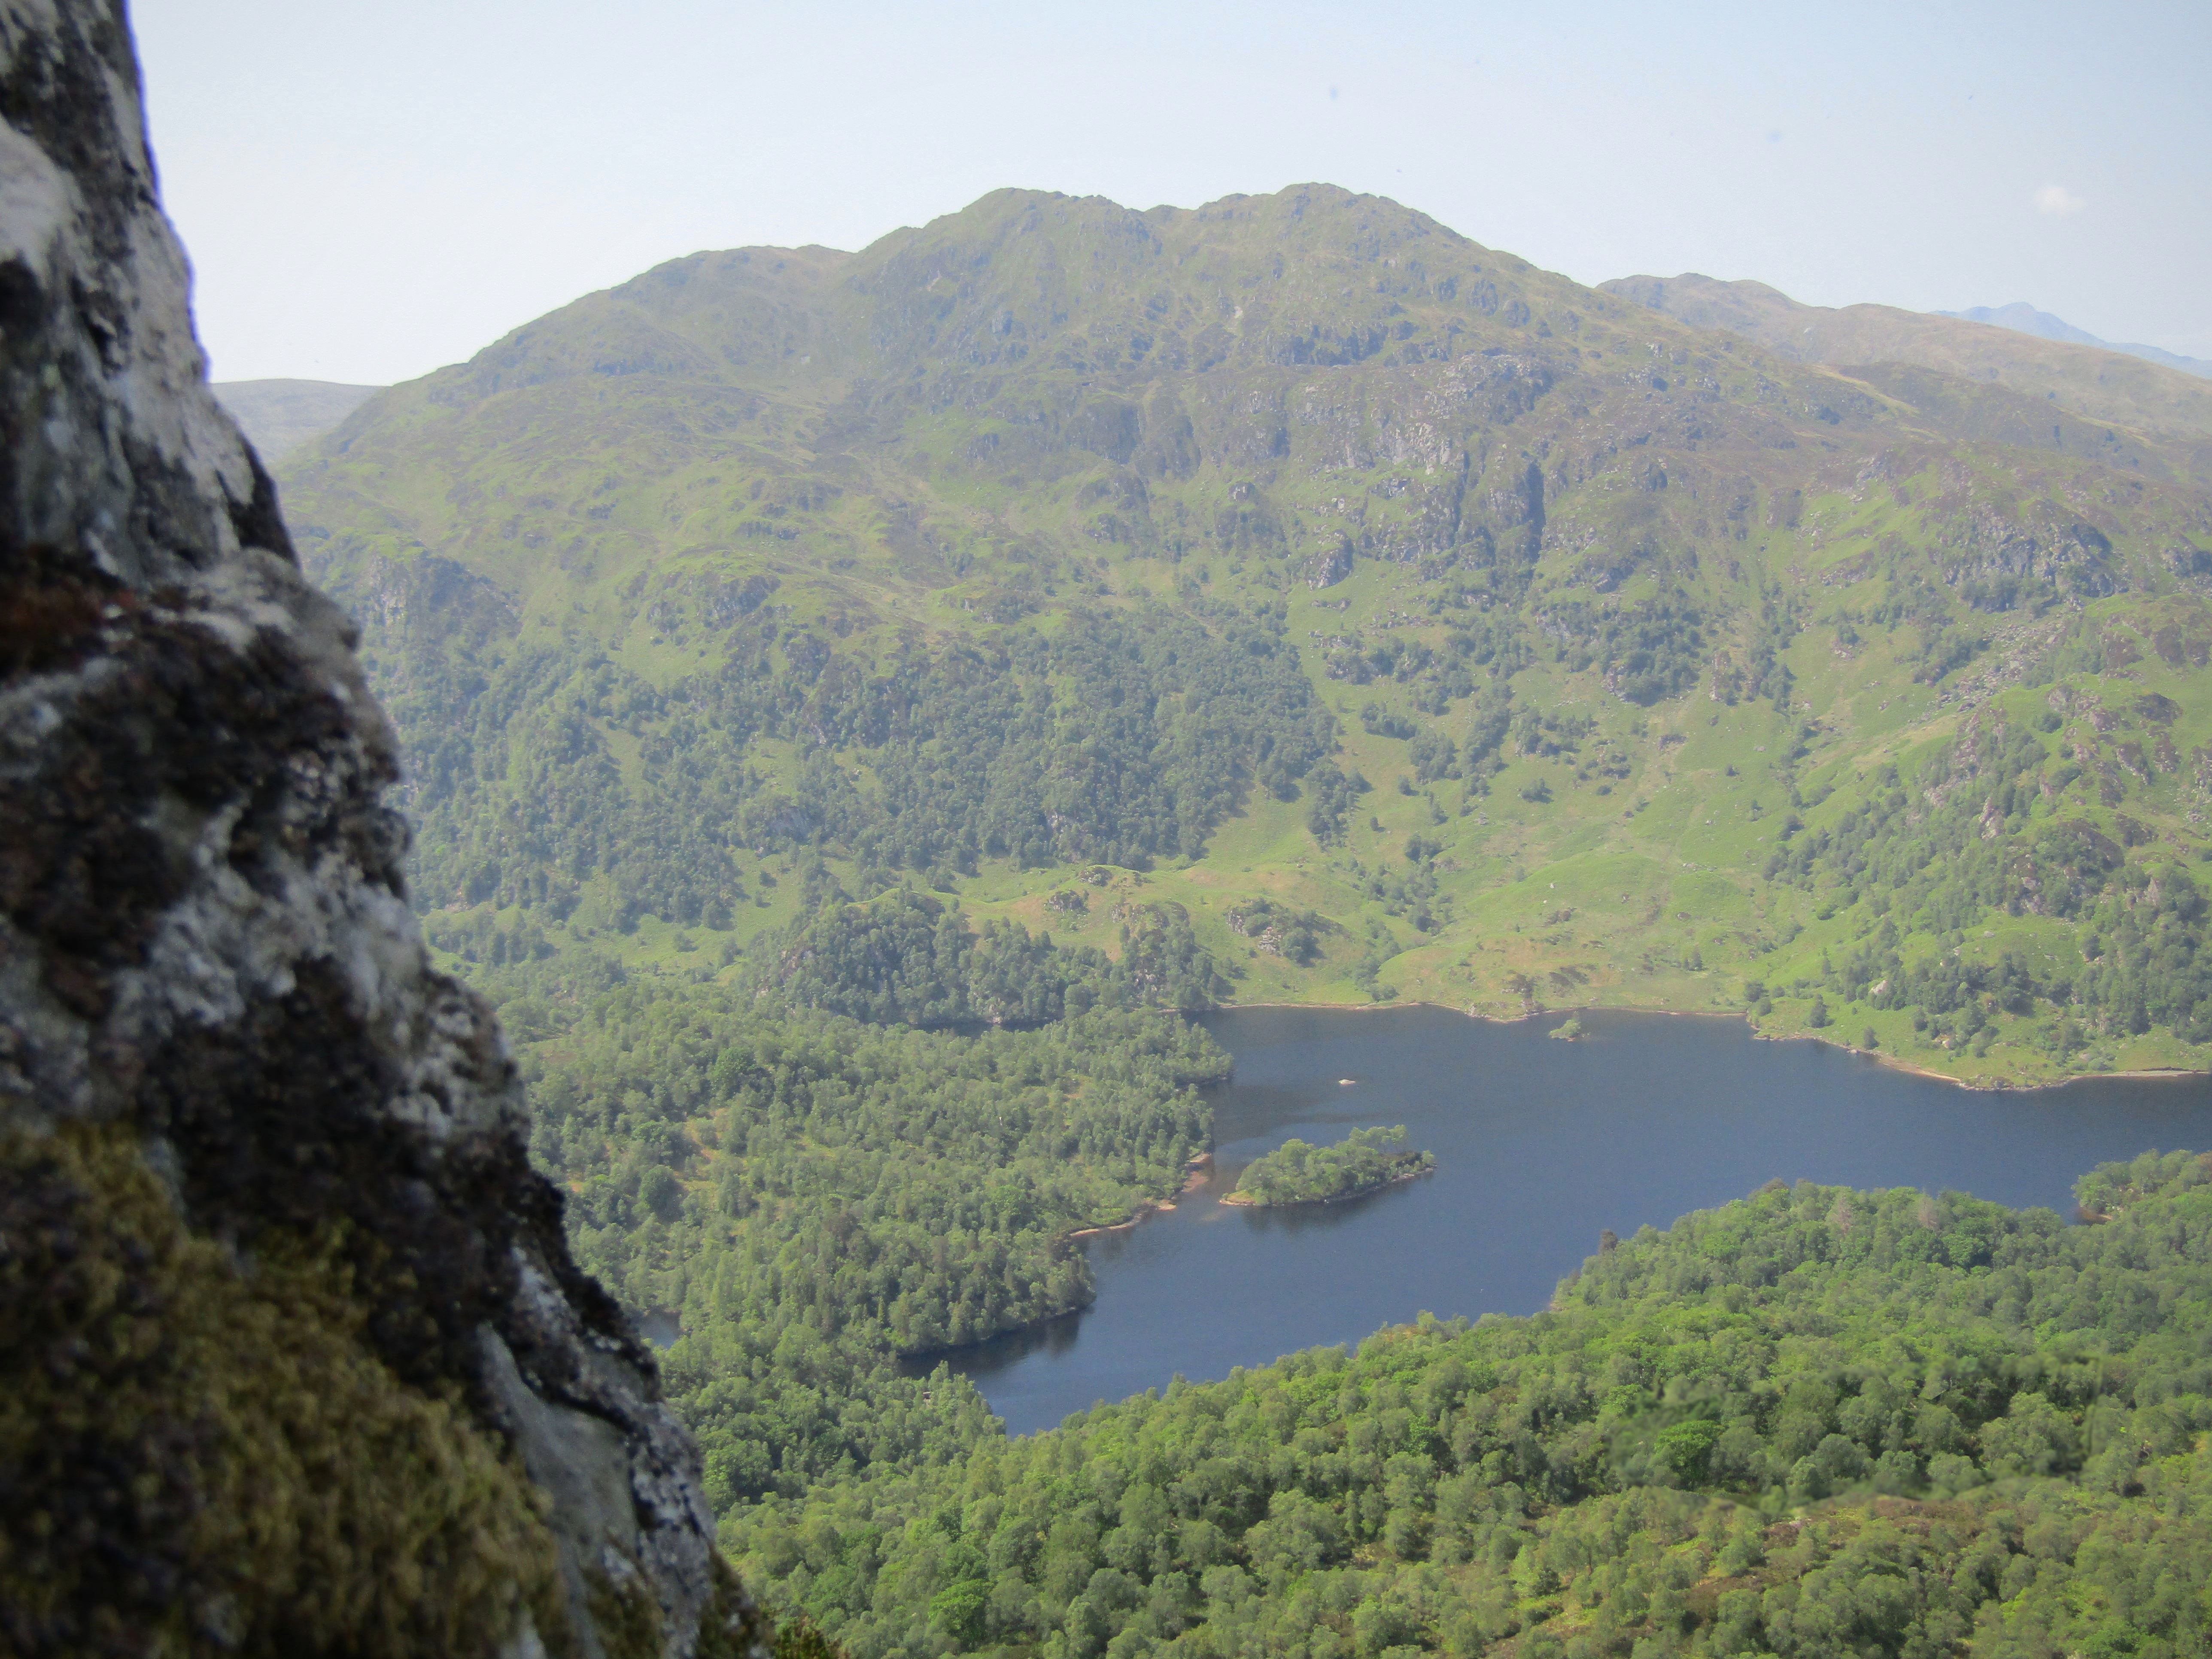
(1554, 562)
(2083, 378)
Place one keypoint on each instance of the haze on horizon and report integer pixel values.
(369, 194)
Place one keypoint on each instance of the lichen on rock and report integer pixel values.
(264, 1193)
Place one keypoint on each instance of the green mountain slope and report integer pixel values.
(1392, 616)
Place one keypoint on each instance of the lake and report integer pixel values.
(1540, 1146)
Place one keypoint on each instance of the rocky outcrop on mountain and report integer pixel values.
(293, 1355)
(1331, 565)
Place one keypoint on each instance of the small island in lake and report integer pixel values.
(1296, 1172)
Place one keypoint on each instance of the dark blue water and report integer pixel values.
(1539, 1145)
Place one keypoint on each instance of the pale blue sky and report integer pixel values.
(370, 191)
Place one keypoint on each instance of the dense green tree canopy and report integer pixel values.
(815, 1198)
(908, 959)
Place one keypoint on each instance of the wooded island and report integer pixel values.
(1297, 1172)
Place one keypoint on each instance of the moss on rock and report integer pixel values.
(201, 1455)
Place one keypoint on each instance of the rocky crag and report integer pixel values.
(293, 1355)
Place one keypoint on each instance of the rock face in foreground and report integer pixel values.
(293, 1357)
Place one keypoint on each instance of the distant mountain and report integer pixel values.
(2024, 319)
(2095, 381)
(1296, 560)
(279, 416)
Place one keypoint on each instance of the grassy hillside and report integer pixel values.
(1395, 618)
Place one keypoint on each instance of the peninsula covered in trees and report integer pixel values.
(1297, 1172)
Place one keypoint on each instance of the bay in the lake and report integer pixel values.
(1539, 1145)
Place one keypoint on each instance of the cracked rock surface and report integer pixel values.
(205, 946)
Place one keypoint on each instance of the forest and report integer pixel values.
(1814, 1422)
(1298, 1173)
(1931, 859)
(1124, 740)
(910, 959)
(563, 795)
(817, 1198)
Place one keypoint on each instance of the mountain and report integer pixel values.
(2026, 319)
(278, 417)
(1410, 620)
(2086, 379)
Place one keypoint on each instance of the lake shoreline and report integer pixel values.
(1196, 1173)
(1987, 1085)
(1199, 1172)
